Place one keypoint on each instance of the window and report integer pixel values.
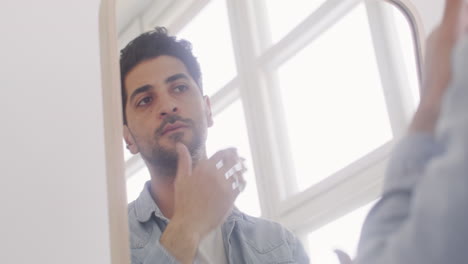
(342, 233)
(285, 15)
(135, 184)
(333, 100)
(212, 45)
(311, 92)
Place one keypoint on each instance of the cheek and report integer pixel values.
(142, 129)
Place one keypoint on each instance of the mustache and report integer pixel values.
(171, 119)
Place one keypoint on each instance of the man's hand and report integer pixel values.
(203, 199)
(437, 67)
(343, 257)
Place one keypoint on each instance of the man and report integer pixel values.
(422, 216)
(185, 214)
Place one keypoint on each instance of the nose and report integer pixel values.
(169, 107)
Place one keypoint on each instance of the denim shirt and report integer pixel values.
(247, 240)
(422, 217)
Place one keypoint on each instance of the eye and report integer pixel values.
(145, 101)
(180, 88)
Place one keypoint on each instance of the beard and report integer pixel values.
(166, 160)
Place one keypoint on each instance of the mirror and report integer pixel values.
(312, 93)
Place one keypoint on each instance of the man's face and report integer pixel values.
(164, 105)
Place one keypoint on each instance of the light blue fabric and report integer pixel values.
(246, 239)
(422, 217)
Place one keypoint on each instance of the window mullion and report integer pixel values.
(267, 165)
(225, 96)
(330, 204)
(304, 33)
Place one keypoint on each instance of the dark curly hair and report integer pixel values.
(150, 45)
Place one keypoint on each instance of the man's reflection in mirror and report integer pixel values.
(186, 212)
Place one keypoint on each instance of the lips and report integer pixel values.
(172, 127)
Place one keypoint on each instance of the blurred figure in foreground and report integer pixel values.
(422, 216)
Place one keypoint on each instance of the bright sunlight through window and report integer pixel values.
(334, 102)
(210, 35)
(229, 131)
(342, 234)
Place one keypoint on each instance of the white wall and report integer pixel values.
(53, 187)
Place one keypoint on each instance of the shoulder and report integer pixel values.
(131, 210)
(266, 241)
(132, 217)
(256, 224)
(140, 233)
(260, 231)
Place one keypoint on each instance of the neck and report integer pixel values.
(162, 191)
(162, 186)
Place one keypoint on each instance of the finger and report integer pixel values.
(452, 11)
(229, 160)
(242, 182)
(237, 169)
(244, 166)
(220, 154)
(235, 191)
(343, 257)
(237, 181)
(184, 163)
(232, 182)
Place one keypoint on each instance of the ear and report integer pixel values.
(208, 113)
(129, 140)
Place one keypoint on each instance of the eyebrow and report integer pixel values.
(176, 77)
(140, 90)
(147, 87)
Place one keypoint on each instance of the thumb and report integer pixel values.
(184, 163)
(343, 257)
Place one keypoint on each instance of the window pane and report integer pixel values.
(285, 15)
(229, 131)
(340, 234)
(334, 101)
(210, 34)
(136, 182)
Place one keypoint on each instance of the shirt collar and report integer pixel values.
(145, 205)
(235, 215)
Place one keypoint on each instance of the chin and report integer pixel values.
(179, 137)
